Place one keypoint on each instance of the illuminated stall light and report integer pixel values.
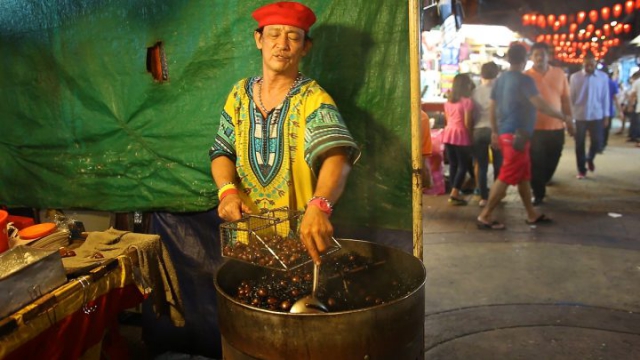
(605, 12)
(593, 16)
(626, 28)
(526, 19)
(582, 15)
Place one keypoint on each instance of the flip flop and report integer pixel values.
(457, 201)
(542, 219)
(494, 225)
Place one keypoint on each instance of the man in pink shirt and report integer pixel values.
(548, 136)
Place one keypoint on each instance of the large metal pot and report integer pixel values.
(393, 330)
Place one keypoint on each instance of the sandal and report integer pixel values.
(542, 219)
(494, 225)
(456, 201)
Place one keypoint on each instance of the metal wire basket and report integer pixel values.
(269, 239)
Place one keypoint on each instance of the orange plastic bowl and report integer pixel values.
(36, 231)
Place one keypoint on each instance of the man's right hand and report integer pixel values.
(569, 123)
(231, 208)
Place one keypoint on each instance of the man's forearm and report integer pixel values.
(544, 108)
(223, 170)
(333, 174)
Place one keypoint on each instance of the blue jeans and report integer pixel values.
(595, 141)
(481, 143)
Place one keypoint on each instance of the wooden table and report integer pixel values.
(77, 320)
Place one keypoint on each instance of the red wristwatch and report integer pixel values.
(322, 203)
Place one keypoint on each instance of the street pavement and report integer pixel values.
(565, 290)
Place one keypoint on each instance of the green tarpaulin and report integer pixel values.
(84, 125)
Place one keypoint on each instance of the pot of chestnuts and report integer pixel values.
(375, 295)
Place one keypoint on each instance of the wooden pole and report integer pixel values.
(416, 151)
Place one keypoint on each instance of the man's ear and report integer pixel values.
(258, 38)
(307, 47)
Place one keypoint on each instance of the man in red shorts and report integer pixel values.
(514, 99)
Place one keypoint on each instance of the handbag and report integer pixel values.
(520, 139)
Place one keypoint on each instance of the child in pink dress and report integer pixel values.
(457, 134)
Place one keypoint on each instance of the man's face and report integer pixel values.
(282, 47)
(589, 65)
(540, 59)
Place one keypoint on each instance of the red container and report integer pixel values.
(4, 239)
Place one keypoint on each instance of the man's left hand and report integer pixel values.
(606, 122)
(316, 232)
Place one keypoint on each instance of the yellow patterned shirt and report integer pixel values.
(277, 158)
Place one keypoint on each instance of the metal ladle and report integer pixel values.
(310, 304)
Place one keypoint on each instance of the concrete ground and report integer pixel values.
(566, 290)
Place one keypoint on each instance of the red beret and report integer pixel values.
(285, 13)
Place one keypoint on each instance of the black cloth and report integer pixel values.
(193, 243)
(546, 149)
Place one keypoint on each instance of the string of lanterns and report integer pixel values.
(582, 32)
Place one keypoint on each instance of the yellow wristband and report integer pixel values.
(226, 187)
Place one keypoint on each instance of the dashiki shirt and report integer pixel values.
(277, 158)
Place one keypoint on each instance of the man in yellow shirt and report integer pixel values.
(548, 136)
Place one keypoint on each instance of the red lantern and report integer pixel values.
(563, 19)
(551, 19)
(637, 4)
(593, 16)
(606, 29)
(556, 25)
(605, 12)
(547, 38)
(533, 19)
(540, 38)
(563, 37)
(598, 33)
(525, 19)
(556, 36)
(590, 28)
(581, 16)
(629, 6)
(573, 27)
(617, 29)
(616, 42)
(580, 36)
(572, 37)
(542, 22)
(626, 28)
(617, 10)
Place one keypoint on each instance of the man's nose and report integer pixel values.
(283, 42)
